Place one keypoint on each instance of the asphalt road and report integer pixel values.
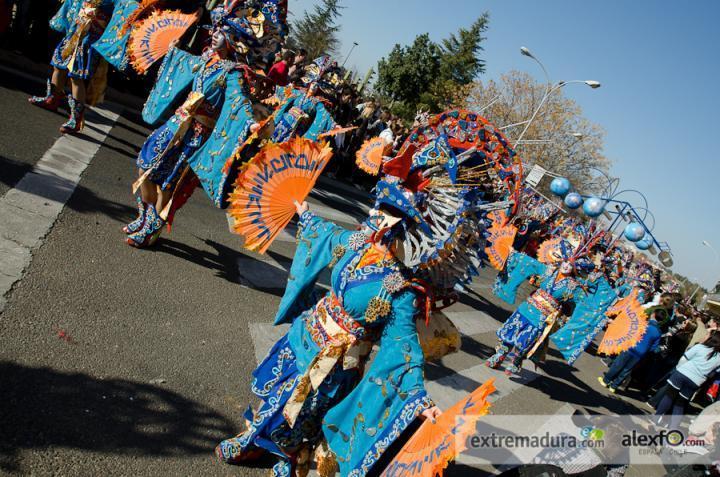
(116, 361)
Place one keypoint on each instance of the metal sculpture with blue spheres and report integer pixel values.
(634, 232)
(573, 200)
(560, 186)
(593, 207)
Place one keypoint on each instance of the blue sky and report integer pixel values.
(658, 62)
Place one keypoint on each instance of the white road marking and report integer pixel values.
(264, 336)
(472, 322)
(29, 210)
(263, 272)
(331, 214)
(449, 389)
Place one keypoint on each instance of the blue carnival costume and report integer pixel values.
(214, 115)
(82, 22)
(302, 112)
(523, 328)
(313, 385)
(309, 375)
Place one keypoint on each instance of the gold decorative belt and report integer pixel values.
(335, 342)
(544, 302)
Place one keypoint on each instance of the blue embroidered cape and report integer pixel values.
(391, 395)
(112, 45)
(586, 321)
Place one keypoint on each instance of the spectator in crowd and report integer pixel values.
(279, 73)
(298, 66)
(705, 325)
(695, 367)
(627, 360)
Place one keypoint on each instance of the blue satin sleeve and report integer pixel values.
(317, 238)
(66, 15)
(322, 123)
(112, 45)
(176, 74)
(518, 269)
(390, 396)
(212, 163)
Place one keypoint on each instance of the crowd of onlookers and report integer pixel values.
(676, 362)
(349, 108)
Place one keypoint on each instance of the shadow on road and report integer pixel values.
(43, 408)
(12, 171)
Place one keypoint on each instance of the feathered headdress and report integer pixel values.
(254, 29)
(447, 176)
(324, 73)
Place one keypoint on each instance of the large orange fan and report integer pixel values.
(628, 327)
(498, 218)
(150, 40)
(336, 131)
(501, 244)
(369, 157)
(263, 201)
(433, 445)
(550, 251)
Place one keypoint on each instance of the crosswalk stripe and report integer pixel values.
(264, 336)
(449, 389)
(472, 322)
(261, 272)
(29, 210)
(331, 214)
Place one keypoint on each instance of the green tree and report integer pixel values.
(317, 30)
(460, 61)
(430, 76)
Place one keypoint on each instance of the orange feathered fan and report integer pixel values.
(627, 328)
(263, 201)
(550, 251)
(336, 131)
(434, 445)
(150, 40)
(370, 155)
(501, 244)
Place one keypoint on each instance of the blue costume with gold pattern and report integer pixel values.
(215, 100)
(313, 374)
(522, 329)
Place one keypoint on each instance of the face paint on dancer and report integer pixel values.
(219, 41)
(566, 268)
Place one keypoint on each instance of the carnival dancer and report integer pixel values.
(588, 317)
(308, 376)
(82, 22)
(304, 110)
(416, 244)
(557, 286)
(196, 144)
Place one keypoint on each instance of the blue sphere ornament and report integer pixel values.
(573, 200)
(634, 232)
(593, 207)
(644, 244)
(560, 186)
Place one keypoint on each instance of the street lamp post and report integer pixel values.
(717, 255)
(549, 89)
(592, 83)
(350, 52)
